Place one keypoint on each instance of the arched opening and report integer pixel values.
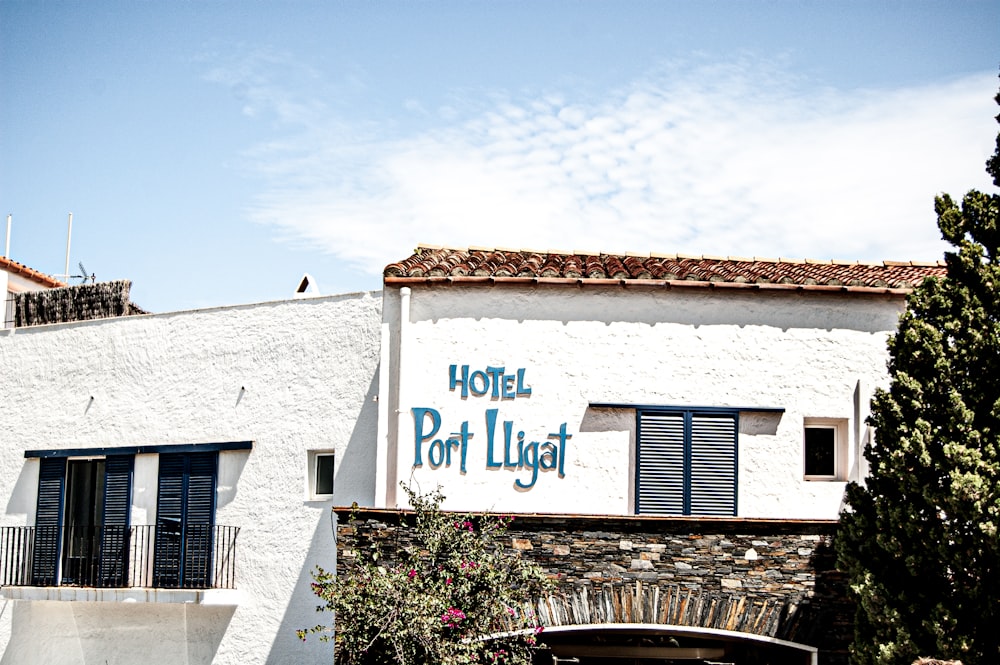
(645, 644)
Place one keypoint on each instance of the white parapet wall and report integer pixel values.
(292, 377)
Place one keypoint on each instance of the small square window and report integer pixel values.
(824, 451)
(321, 471)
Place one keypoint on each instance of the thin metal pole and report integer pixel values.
(6, 251)
(69, 236)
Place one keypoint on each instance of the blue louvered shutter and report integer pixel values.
(686, 463)
(113, 565)
(713, 464)
(48, 521)
(169, 519)
(660, 463)
(185, 517)
(199, 520)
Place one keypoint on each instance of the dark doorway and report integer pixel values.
(83, 519)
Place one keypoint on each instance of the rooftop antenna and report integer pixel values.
(83, 276)
(6, 251)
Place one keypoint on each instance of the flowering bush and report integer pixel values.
(457, 596)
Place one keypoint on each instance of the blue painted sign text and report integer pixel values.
(504, 449)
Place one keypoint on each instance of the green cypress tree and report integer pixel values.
(920, 540)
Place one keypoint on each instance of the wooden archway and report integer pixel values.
(660, 620)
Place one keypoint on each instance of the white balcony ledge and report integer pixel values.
(129, 595)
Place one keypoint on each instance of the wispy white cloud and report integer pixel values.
(733, 158)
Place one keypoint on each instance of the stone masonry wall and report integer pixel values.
(767, 577)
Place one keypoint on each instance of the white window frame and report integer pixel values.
(312, 466)
(839, 427)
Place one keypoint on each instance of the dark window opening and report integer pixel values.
(821, 452)
(324, 474)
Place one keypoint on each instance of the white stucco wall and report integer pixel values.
(815, 356)
(290, 376)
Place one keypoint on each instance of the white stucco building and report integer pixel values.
(168, 478)
(248, 398)
(757, 373)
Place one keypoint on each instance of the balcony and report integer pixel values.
(195, 557)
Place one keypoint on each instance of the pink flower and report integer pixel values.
(411, 574)
(452, 617)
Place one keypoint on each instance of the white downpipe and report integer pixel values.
(401, 422)
(383, 452)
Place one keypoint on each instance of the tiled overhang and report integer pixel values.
(648, 285)
(511, 267)
(223, 446)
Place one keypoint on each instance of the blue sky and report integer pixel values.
(213, 152)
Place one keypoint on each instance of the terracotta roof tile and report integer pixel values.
(499, 265)
(7, 265)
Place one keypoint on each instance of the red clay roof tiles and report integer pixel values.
(455, 265)
(16, 268)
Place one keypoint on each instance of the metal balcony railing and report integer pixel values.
(163, 556)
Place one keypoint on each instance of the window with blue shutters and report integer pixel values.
(686, 462)
(82, 535)
(82, 522)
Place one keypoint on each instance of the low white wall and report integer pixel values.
(291, 376)
(806, 354)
